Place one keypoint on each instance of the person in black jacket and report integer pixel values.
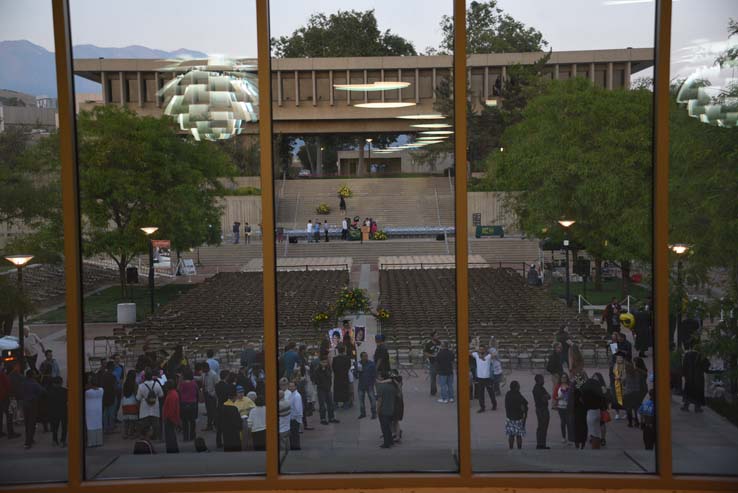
(516, 409)
(381, 355)
(555, 365)
(57, 398)
(541, 398)
(323, 381)
(225, 387)
(445, 372)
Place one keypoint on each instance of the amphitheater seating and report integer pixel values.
(45, 283)
(521, 319)
(226, 310)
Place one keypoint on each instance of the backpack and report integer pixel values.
(151, 398)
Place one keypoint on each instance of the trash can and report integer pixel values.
(126, 313)
(132, 275)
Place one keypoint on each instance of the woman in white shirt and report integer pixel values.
(257, 424)
(93, 412)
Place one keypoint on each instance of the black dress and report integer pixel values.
(578, 409)
(341, 367)
(231, 424)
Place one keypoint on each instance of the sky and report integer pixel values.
(229, 26)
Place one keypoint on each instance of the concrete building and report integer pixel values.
(400, 161)
(37, 119)
(306, 101)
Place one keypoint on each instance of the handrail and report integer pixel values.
(307, 266)
(438, 216)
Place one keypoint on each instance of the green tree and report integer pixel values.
(244, 152)
(345, 33)
(583, 153)
(137, 171)
(490, 30)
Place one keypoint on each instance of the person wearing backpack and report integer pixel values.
(148, 395)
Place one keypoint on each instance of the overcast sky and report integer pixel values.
(228, 26)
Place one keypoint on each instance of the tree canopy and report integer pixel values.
(137, 171)
(490, 30)
(584, 153)
(343, 34)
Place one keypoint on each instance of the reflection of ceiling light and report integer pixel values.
(566, 223)
(213, 101)
(374, 86)
(384, 105)
(437, 132)
(428, 142)
(491, 102)
(431, 125)
(429, 116)
(432, 137)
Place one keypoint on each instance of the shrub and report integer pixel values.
(344, 191)
(323, 209)
(244, 191)
(380, 235)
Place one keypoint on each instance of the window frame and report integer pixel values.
(664, 478)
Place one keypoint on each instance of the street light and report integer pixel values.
(369, 141)
(566, 224)
(20, 261)
(150, 230)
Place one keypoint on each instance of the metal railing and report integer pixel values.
(438, 216)
(314, 266)
(584, 304)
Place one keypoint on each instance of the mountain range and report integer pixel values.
(30, 68)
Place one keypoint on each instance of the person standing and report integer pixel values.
(316, 231)
(341, 204)
(148, 395)
(484, 380)
(236, 232)
(110, 409)
(367, 382)
(296, 413)
(562, 337)
(341, 386)
(635, 389)
(257, 424)
(31, 392)
(430, 350)
(516, 411)
(386, 396)
(555, 365)
(94, 412)
(129, 405)
(560, 403)
(381, 355)
(212, 362)
(694, 367)
(309, 230)
(230, 422)
(647, 411)
(284, 410)
(495, 366)
(209, 380)
(323, 382)
(344, 228)
(188, 397)
(611, 315)
(445, 370)
(57, 395)
(171, 415)
(326, 229)
(49, 366)
(33, 347)
(576, 408)
(247, 234)
(6, 391)
(541, 398)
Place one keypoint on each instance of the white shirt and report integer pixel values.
(326, 226)
(257, 419)
(496, 367)
(296, 407)
(144, 409)
(214, 365)
(32, 344)
(344, 224)
(93, 408)
(285, 410)
(310, 228)
(483, 365)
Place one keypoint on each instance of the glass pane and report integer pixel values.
(560, 159)
(33, 394)
(364, 213)
(168, 139)
(703, 182)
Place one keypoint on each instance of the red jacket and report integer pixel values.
(170, 411)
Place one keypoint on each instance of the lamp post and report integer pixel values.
(369, 164)
(20, 261)
(150, 231)
(566, 224)
(680, 249)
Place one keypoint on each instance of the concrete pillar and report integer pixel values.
(123, 87)
(417, 86)
(157, 86)
(486, 83)
(504, 76)
(319, 156)
(105, 88)
(330, 85)
(609, 76)
(315, 91)
(433, 83)
(141, 92)
(348, 93)
(279, 88)
(366, 94)
(556, 72)
(297, 89)
(573, 70)
(399, 79)
(627, 75)
(592, 72)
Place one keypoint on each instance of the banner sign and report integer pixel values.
(161, 243)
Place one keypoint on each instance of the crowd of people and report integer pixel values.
(317, 230)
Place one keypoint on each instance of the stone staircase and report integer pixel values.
(392, 202)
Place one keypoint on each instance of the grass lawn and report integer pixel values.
(610, 288)
(102, 306)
